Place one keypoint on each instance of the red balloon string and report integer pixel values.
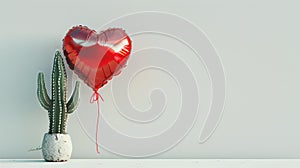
(95, 98)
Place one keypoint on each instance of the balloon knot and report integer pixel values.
(95, 97)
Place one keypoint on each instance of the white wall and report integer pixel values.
(257, 41)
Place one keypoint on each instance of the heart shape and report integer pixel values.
(95, 58)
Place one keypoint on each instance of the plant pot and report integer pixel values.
(57, 147)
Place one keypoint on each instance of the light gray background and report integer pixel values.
(258, 42)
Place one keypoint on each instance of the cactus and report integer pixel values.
(58, 108)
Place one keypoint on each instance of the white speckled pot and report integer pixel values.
(57, 147)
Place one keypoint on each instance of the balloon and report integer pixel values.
(95, 58)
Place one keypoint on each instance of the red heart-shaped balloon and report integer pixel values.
(95, 58)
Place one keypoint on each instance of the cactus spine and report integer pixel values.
(58, 108)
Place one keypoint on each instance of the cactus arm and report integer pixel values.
(42, 92)
(73, 102)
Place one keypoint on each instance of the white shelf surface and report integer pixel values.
(156, 163)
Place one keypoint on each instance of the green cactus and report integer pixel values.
(58, 108)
